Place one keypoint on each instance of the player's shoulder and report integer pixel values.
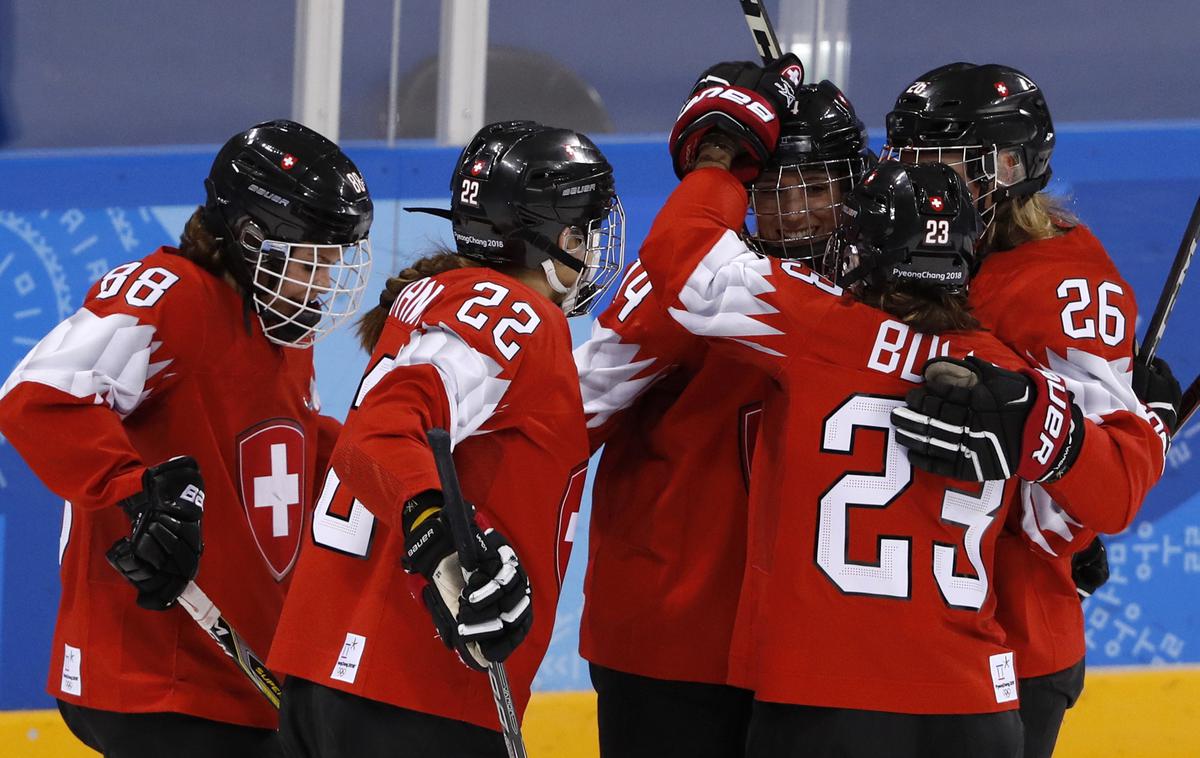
(985, 345)
(492, 312)
(1076, 253)
(162, 282)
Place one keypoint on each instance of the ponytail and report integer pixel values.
(370, 326)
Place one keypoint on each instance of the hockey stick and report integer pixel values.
(463, 530)
(1170, 290)
(208, 616)
(1191, 398)
(762, 31)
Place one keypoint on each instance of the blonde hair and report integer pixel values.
(370, 326)
(1018, 220)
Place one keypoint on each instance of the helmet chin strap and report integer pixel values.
(569, 293)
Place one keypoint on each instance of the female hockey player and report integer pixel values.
(865, 621)
(678, 422)
(184, 388)
(1047, 289)
(475, 342)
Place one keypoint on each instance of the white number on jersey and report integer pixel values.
(889, 576)
(525, 325)
(145, 290)
(1078, 321)
(350, 533)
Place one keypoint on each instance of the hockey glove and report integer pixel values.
(742, 101)
(1089, 568)
(162, 553)
(1157, 387)
(975, 421)
(481, 615)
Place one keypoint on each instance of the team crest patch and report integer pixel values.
(271, 458)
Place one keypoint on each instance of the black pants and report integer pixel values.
(1044, 701)
(801, 731)
(175, 735)
(641, 717)
(321, 722)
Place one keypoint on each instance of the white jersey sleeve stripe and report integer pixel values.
(88, 356)
(722, 294)
(471, 379)
(607, 369)
(1100, 388)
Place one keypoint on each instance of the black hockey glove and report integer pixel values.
(162, 553)
(742, 101)
(975, 421)
(1157, 387)
(1089, 568)
(482, 615)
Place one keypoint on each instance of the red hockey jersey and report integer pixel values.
(159, 362)
(479, 354)
(1062, 303)
(868, 583)
(667, 539)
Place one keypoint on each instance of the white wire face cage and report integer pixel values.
(794, 208)
(976, 164)
(603, 259)
(303, 291)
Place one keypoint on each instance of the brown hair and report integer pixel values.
(200, 246)
(1033, 217)
(925, 309)
(370, 325)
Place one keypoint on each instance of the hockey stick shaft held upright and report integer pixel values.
(762, 31)
(1170, 291)
(454, 506)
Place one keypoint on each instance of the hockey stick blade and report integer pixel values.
(208, 616)
(1170, 290)
(762, 31)
(462, 529)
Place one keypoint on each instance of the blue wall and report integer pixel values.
(66, 217)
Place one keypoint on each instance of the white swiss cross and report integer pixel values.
(1002, 88)
(935, 202)
(277, 491)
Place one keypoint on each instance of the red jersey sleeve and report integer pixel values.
(1076, 317)
(434, 366)
(63, 406)
(754, 307)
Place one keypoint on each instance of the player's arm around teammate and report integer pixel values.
(679, 423)
(815, 576)
(474, 341)
(1047, 289)
(183, 392)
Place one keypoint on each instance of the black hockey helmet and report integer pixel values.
(518, 185)
(795, 203)
(278, 186)
(989, 110)
(908, 224)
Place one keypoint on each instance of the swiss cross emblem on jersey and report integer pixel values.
(936, 203)
(271, 458)
(288, 161)
(1002, 88)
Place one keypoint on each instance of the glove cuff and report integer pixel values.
(1070, 450)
